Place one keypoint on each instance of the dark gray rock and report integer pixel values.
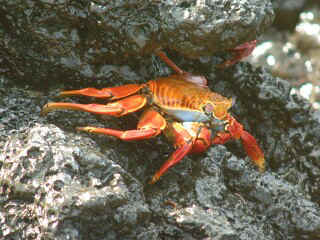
(50, 41)
(46, 172)
(70, 185)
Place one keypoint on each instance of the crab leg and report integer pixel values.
(176, 157)
(117, 109)
(183, 143)
(169, 62)
(112, 93)
(239, 52)
(150, 125)
(235, 131)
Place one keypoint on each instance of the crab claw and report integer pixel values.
(253, 150)
(235, 131)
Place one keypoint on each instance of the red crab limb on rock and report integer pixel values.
(181, 106)
(234, 130)
(239, 52)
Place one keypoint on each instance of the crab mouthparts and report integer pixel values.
(217, 124)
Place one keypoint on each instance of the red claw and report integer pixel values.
(235, 131)
(253, 150)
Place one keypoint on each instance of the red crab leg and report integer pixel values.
(112, 93)
(150, 124)
(199, 80)
(239, 52)
(176, 157)
(183, 142)
(118, 108)
(235, 131)
(171, 64)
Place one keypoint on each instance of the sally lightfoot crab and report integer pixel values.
(181, 106)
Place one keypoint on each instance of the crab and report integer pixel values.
(181, 106)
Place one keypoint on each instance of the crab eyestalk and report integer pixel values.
(234, 130)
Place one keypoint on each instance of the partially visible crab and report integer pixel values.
(180, 105)
(239, 52)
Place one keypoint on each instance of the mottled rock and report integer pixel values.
(68, 40)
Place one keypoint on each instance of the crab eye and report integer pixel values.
(233, 101)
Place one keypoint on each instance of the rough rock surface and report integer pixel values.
(56, 183)
(70, 40)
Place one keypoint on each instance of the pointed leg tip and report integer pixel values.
(260, 162)
(262, 169)
(45, 109)
(154, 179)
(43, 113)
(84, 129)
(67, 93)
